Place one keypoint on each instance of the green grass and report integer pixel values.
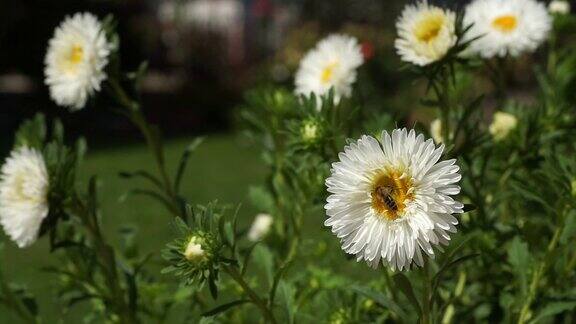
(221, 168)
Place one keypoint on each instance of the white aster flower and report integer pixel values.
(436, 130)
(559, 7)
(425, 33)
(502, 124)
(331, 64)
(77, 55)
(506, 27)
(260, 227)
(391, 199)
(23, 195)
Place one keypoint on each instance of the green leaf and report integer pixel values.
(277, 279)
(184, 161)
(265, 260)
(380, 299)
(261, 199)
(569, 230)
(406, 288)
(469, 208)
(224, 307)
(553, 309)
(520, 260)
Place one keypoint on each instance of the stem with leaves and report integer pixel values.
(537, 276)
(258, 301)
(87, 214)
(152, 135)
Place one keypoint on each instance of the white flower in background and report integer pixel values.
(77, 55)
(425, 33)
(194, 251)
(331, 64)
(502, 124)
(509, 27)
(560, 7)
(391, 199)
(260, 227)
(436, 130)
(23, 195)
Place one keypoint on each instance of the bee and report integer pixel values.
(384, 193)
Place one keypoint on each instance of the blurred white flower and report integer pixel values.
(74, 64)
(391, 199)
(23, 195)
(502, 124)
(260, 227)
(436, 130)
(331, 64)
(560, 7)
(508, 27)
(425, 33)
(194, 249)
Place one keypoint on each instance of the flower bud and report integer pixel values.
(194, 251)
(502, 125)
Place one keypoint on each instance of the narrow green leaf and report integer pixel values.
(406, 288)
(224, 307)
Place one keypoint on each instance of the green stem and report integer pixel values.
(537, 276)
(107, 261)
(259, 302)
(426, 296)
(13, 303)
(137, 117)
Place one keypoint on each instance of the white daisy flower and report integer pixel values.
(425, 33)
(506, 27)
(74, 64)
(23, 195)
(260, 227)
(331, 64)
(502, 124)
(560, 7)
(391, 199)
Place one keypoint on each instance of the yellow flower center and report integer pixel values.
(429, 27)
(76, 54)
(328, 73)
(391, 191)
(506, 23)
(71, 58)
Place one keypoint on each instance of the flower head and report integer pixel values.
(502, 124)
(23, 195)
(260, 227)
(508, 27)
(391, 199)
(425, 33)
(193, 251)
(331, 64)
(74, 64)
(559, 7)
(436, 130)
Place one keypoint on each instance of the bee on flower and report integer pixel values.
(510, 27)
(425, 33)
(332, 64)
(391, 199)
(75, 61)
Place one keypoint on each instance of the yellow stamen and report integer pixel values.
(328, 72)
(390, 193)
(76, 54)
(429, 27)
(505, 24)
